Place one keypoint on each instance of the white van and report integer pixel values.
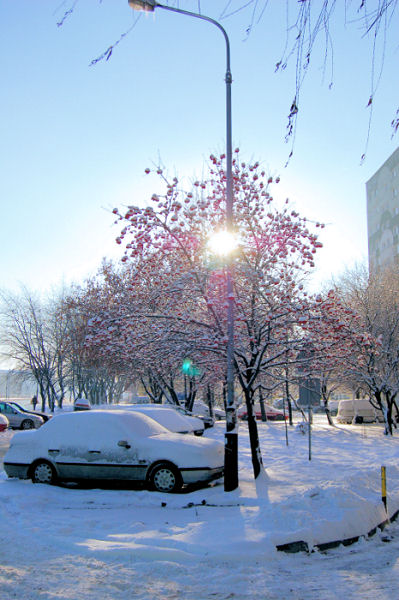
(358, 411)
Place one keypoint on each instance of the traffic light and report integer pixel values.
(189, 369)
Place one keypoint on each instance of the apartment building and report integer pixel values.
(383, 214)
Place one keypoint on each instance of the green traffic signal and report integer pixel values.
(189, 369)
(187, 366)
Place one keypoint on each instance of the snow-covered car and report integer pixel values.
(168, 417)
(272, 414)
(201, 411)
(113, 445)
(19, 419)
(206, 420)
(219, 413)
(43, 415)
(4, 423)
(81, 404)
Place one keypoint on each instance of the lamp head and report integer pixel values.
(143, 5)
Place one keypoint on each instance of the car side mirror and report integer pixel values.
(124, 444)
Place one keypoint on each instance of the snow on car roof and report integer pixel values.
(92, 423)
(169, 417)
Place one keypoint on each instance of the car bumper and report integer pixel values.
(201, 474)
(16, 470)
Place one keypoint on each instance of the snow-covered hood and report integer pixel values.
(23, 446)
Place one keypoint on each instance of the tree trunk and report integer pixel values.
(262, 406)
(257, 463)
(224, 394)
(390, 422)
(326, 407)
(209, 400)
(396, 417)
(387, 413)
(287, 395)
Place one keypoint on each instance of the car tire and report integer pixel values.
(165, 477)
(27, 424)
(199, 432)
(43, 472)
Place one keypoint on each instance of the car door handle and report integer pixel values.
(94, 451)
(54, 450)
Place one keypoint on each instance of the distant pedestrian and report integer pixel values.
(34, 402)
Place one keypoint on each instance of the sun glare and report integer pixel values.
(222, 243)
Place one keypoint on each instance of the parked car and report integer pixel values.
(81, 404)
(113, 445)
(168, 417)
(320, 409)
(272, 414)
(19, 419)
(4, 423)
(219, 414)
(358, 411)
(206, 420)
(201, 409)
(43, 415)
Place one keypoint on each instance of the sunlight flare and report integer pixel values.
(222, 242)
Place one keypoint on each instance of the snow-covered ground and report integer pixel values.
(74, 542)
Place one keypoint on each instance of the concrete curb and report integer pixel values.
(301, 546)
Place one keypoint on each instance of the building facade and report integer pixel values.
(17, 384)
(383, 214)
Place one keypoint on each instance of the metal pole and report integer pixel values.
(231, 435)
(285, 423)
(384, 488)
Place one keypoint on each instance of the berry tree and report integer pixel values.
(174, 296)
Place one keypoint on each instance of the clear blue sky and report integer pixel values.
(75, 139)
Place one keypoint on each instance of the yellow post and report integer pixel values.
(384, 487)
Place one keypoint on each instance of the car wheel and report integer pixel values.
(165, 478)
(43, 472)
(199, 432)
(27, 424)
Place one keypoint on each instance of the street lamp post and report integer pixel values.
(231, 435)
